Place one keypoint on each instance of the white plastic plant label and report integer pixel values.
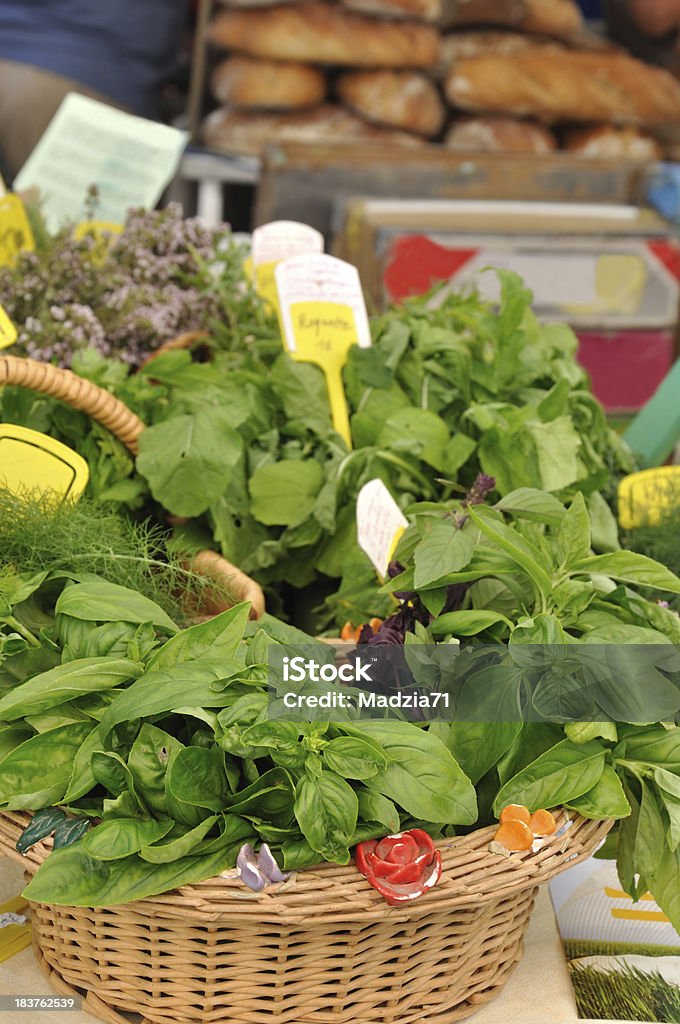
(380, 524)
(278, 241)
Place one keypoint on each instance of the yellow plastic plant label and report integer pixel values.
(322, 314)
(265, 283)
(380, 524)
(646, 498)
(15, 230)
(31, 461)
(101, 229)
(8, 332)
(277, 241)
(14, 935)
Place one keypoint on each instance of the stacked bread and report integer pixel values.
(276, 84)
(517, 75)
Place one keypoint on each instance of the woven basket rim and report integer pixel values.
(472, 874)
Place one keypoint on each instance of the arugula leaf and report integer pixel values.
(187, 460)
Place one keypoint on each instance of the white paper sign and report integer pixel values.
(281, 239)
(131, 161)
(318, 278)
(380, 523)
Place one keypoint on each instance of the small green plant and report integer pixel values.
(629, 994)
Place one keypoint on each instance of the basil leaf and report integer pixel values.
(467, 623)
(219, 637)
(179, 842)
(560, 775)
(120, 837)
(354, 758)
(478, 746)
(99, 601)
(269, 797)
(73, 878)
(650, 840)
(530, 503)
(82, 780)
(444, 550)
(64, 683)
(326, 810)
(36, 774)
(197, 776)
(573, 536)
(605, 800)
(629, 567)
(422, 776)
(376, 807)
(148, 764)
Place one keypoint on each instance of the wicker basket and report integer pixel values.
(322, 948)
(126, 426)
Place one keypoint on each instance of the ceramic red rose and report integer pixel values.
(400, 867)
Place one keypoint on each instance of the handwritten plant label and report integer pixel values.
(322, 314)
(380, 524)
(15, 230)
(278, 241)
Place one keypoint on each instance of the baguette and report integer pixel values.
(499, 135)
(565, 85)
(323, 34)
(459, 46)
(419, 10)
(399, 99)
(249, 134)
(606, 140)
(549, 17)
(248, 83)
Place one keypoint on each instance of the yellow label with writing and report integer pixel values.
(15, 230)
(8, 332)
(323, 333)
(265, 283)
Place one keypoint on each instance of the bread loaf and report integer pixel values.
(463, 45)
(499, 135)
(249, 134)
(399, 99)
(552, 85)
(419, 10)
(606, 140)
(551, 17)
(247, 82)
(324, 34)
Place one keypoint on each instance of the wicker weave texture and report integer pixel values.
(322, 948)
(126, 426)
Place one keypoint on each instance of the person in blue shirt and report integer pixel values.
(118, 52)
